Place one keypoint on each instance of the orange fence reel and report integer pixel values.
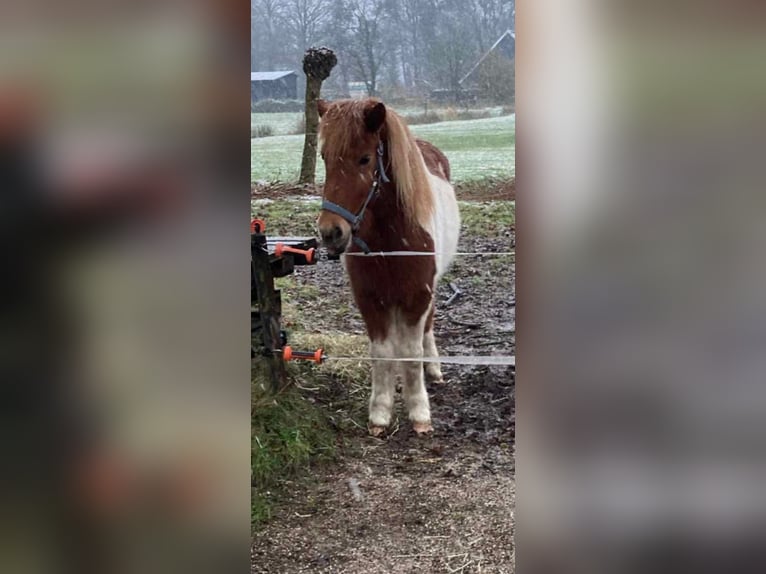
(289, 355)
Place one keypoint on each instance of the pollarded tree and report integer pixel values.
(317, 65)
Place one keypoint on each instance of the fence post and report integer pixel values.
(269, 305)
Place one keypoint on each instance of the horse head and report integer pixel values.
(351, 134)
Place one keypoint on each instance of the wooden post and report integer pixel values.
(269, 306)
(317, 64)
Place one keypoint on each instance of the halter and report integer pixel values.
(356, 220)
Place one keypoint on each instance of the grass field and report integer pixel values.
(477, 149)
(283, 123)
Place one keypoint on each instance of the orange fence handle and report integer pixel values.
(309, 254)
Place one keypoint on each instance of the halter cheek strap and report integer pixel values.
(356, 219)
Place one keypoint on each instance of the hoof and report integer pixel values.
(376, 430)
(422, 428)
(434, 375)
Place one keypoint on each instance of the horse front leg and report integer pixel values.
(383, 385)
(410, 344)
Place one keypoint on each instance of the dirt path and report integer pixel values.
(405, 504)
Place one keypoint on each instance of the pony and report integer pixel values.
(386, 191)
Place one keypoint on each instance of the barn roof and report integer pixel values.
(261, 76)
(507, 34)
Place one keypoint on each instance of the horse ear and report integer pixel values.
(322, 107)
(374, 116)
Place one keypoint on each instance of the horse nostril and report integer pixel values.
(332, 235)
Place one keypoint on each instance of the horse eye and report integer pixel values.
(365, 160)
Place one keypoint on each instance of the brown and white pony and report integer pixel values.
(387, 191)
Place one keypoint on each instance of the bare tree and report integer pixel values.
(489, 19)
(381, 42)
(496, 79)
(409, 22)
(337, 35)
(452, 52)
(368, 47)
(267, 23)
(305, 21)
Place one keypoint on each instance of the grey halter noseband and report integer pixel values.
(356, 219)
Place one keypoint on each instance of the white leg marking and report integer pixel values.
(383, 380)
(433, 370)
(410, 344)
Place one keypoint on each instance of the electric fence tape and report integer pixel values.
(509, 360)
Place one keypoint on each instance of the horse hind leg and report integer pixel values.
(433, 370)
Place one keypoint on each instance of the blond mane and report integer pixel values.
(343, 124)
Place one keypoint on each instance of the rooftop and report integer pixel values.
(259, 76)
(507, 34)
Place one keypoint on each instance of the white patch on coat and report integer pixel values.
(445, 223)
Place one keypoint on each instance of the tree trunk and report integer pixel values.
(317, 64)
(309, 162)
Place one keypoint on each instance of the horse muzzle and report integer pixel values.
(336, 236)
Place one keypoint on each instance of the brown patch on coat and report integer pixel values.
(395, 220)
(382, 284)
(436, 162)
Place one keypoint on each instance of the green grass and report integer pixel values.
(279, 159)
(289, 436)
(283, 123)
(476, 149)
(487, 218)
(287, 216)
(294, 291)
(302, 427)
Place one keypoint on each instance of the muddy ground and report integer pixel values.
(403, 503)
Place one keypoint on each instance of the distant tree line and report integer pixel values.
(394, 46)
